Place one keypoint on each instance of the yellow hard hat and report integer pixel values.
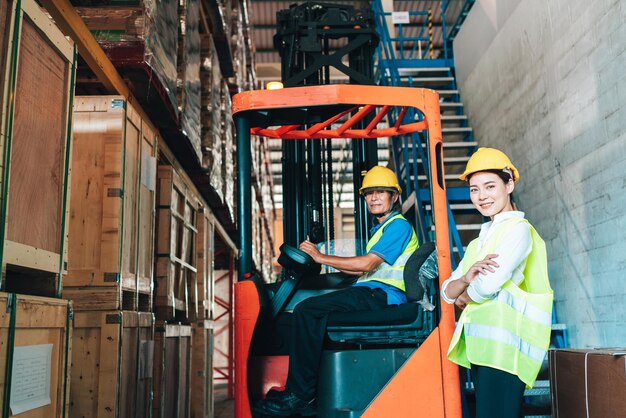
(379, 177)
(489, 159)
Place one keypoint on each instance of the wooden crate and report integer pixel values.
(112, 364)
(172, 368)
(175, 293)
(205, 246)
(202, 370)
(35, 350)
(37, 89)
(112, 207)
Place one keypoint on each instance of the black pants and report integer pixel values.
(309, 329)
(498, 394)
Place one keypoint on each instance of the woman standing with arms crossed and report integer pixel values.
(502, 286)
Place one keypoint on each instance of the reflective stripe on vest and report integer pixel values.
(512, 331)
(384, 272)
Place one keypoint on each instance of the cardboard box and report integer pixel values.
(588, 383)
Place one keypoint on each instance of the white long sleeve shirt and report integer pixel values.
(512, 253)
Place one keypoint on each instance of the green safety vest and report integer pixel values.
(512, 331)
(391, 274)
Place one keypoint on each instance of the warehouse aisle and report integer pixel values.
(224, 408)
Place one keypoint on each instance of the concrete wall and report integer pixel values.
(546, 82)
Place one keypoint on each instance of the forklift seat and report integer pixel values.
(408, 323)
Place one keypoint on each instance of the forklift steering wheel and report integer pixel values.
(296, 260)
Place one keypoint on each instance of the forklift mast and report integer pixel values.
(304, 36)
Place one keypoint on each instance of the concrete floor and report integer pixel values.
(224, 407)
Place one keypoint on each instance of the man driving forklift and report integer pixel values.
(380, 284)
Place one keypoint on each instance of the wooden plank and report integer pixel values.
(147, 210)
(202, 370)
(38, 321)
(91, 298)
(131, 184)
(204, 251)
(146, 354)
(6, 29)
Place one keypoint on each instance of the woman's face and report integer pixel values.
(489, 194)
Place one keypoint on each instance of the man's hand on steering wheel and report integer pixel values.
(311, 249)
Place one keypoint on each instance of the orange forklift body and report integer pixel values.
(427, 385)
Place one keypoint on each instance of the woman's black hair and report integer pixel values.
(502, 174)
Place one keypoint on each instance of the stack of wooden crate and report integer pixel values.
(78, 215)
(36, 90)
(182, 300)
(111, 257)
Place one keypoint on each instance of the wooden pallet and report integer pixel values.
(205, 246)
(175, 294)
(35, 353)
(172, 368)
(112, 207)
(37, 89)
(202, 369)
(112, 364)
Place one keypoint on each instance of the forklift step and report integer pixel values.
(541, 388)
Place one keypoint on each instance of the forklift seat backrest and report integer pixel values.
(414, 286)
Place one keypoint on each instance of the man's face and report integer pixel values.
(379, 201)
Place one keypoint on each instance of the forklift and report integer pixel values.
(390, 363)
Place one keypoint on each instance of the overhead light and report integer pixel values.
(274, 85)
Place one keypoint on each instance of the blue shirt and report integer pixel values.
(389, 247)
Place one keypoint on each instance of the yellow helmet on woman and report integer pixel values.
(489, 159)
(379, 177)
